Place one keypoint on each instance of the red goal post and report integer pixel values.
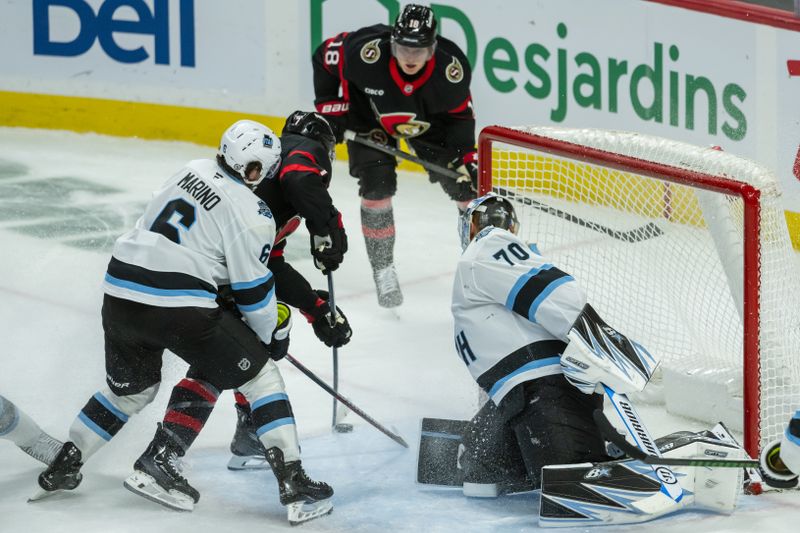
(592, 186)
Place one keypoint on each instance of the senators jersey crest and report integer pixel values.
(454, 71)
(371, 52)
(403, 125)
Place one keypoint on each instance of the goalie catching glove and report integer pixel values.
(279, 346)
(598, 354)
(334, 333)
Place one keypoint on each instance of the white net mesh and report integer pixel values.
(663, 262)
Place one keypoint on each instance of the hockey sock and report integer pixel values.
(189, 407)
(103, 416)
(274, 422)
(242, 402)
(377, 225)
(17, 426)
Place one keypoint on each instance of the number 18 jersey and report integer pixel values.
(512, 311)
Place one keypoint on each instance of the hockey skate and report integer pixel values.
(157, 476)
(62, 474)
(248, 452)
(304, 498)
(387, 287)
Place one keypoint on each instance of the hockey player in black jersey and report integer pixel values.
(299, 187)
(390, 83)
(205, 228)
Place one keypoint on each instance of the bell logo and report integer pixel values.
(103, 26)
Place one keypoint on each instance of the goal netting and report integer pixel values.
(683, 248)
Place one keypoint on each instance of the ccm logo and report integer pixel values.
(102, 26)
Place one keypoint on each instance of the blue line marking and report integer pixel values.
(554, 361)
(258, 305)
(111, 407)
(269, 399)
(275, 424)
(250, 284)
(523, 279)
(544, 294)
(138, 287)
(94, 427)
(440, 435)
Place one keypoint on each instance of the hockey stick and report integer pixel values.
(648, 231)
(287, 229)
(610, 432)
(338, 427)
(350, 405)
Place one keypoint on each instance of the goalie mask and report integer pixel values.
(248, 146)
(488, 210)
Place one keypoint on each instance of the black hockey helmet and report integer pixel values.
(314, 126)
(488, 210)
(415, 27)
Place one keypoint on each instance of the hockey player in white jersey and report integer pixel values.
(512, 312)
(19, 428)
(204, 228)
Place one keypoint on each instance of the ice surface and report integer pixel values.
(63, 199)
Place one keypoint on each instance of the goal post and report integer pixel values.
(682, 247)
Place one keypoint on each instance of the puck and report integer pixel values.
(343, 428)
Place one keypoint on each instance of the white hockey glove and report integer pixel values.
(598, 354)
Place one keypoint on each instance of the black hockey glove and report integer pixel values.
(328, 250)
(467, 165)
(333, 334)
(279, 346)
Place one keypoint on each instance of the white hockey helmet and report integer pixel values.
(487, 210)
(248, 145)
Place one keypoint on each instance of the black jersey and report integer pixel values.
(359, 85)
(299, 188)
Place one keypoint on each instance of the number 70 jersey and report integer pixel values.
(512, 310)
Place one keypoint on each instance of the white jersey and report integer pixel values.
(203, 229)
(512, 312)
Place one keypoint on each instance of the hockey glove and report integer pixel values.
(467, 165)
(328, 250)
(333, 334)
(279, 346)
(598, 355)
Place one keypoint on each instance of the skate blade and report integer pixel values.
(247, 462)
(145, 486)
(299, 512)
(42, 494)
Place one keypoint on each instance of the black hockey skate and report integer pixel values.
(387, 287)
(64, 473)
(157, 476)
(304, 498)
(248, 452)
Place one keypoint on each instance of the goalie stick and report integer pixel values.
(648, 231)
(350, 405)
(616, 438)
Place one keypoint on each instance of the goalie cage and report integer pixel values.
(685, 249)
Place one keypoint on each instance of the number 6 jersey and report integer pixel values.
(203, 229)
(512, 312)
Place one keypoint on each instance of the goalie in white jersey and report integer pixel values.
(512, 311)
(203, 229)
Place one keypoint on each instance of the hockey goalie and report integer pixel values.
(546, 360)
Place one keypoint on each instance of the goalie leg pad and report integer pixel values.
(625, 492)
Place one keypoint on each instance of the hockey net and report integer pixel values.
(683, 248)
